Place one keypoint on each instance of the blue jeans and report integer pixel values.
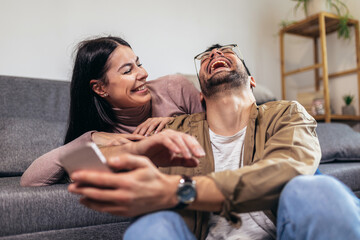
(318, 207)
(159, 225)
(310, 207)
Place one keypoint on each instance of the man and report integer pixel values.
(252, 152)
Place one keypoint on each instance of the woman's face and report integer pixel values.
(126, 80)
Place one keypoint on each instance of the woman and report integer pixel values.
(109, 94)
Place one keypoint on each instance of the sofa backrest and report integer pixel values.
(33, 120)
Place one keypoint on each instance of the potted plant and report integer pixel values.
(336, 6)
(348, 109)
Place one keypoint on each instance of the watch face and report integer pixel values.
(187, 193)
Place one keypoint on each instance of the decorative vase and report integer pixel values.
(348, 110)
(316, 6)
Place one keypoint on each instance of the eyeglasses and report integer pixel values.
(204, 56)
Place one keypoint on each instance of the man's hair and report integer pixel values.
(220, 46)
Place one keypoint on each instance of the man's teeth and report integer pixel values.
(140, 88)
(221, 63)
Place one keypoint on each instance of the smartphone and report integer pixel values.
(87, 157)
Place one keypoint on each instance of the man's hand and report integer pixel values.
(169, 148)
(141, 190)
(103, 139)
(152, 125)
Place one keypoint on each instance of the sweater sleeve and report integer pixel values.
(47, 169)
(184, 94)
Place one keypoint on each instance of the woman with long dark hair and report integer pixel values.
(111, 103)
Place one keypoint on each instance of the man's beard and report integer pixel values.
(218, 83)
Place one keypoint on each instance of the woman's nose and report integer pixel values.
(142, 73)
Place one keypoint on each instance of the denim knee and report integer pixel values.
(310, 203)
(159, 225)
(314, 188)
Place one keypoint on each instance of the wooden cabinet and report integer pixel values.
(316, 27)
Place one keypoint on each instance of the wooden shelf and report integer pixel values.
(338, 117)
(310, 27)
(316, 27)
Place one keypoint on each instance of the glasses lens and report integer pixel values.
(227, 49)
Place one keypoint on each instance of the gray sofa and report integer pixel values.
(33, 116)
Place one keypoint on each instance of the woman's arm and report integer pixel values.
(47, 170)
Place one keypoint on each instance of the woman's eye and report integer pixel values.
(127, 71)
(139, 64)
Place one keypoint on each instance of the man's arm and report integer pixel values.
(143, 189)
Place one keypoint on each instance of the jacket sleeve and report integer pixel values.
(47, 169)
(290, 148)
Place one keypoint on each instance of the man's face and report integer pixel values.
(221, 69)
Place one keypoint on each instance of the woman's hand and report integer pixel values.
(152, 124)
(169, 148)
(166, 149)
(104, 139)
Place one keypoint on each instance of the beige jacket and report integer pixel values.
(280, 143)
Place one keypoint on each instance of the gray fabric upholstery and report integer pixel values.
(33, 119)
(34, 98)
(263, 94)
(348, 173)
(38, 209)
(111, 231)
(23, 144)
(338, 142)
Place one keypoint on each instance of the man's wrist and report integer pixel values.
(174, 182)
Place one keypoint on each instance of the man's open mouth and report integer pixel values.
(218, 64)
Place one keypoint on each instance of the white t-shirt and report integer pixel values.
(228, 155)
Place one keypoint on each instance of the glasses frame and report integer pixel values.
(234, 48)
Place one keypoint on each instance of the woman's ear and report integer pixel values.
(98, 88)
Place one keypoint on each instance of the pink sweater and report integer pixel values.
(171, 95)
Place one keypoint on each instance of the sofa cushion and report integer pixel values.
(348, 173)
(26, 139)
(33, 116)
(37, 209)
(262, 94)
(338, 142)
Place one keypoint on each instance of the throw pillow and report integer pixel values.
(338, 142)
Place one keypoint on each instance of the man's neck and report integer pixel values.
(228, 112)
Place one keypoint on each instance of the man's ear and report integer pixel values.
(98, 87)
(202, 100)
(201, 97)
(252, 82)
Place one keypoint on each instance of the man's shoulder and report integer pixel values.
(283, 107)
(185, 121)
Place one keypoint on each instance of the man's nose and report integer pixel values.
(215, 52)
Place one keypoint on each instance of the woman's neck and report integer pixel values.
(130, 118)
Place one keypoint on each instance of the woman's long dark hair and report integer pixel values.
(89, 111)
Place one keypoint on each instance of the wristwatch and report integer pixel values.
(186, 192)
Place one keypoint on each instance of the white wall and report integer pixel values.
(38, 36)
